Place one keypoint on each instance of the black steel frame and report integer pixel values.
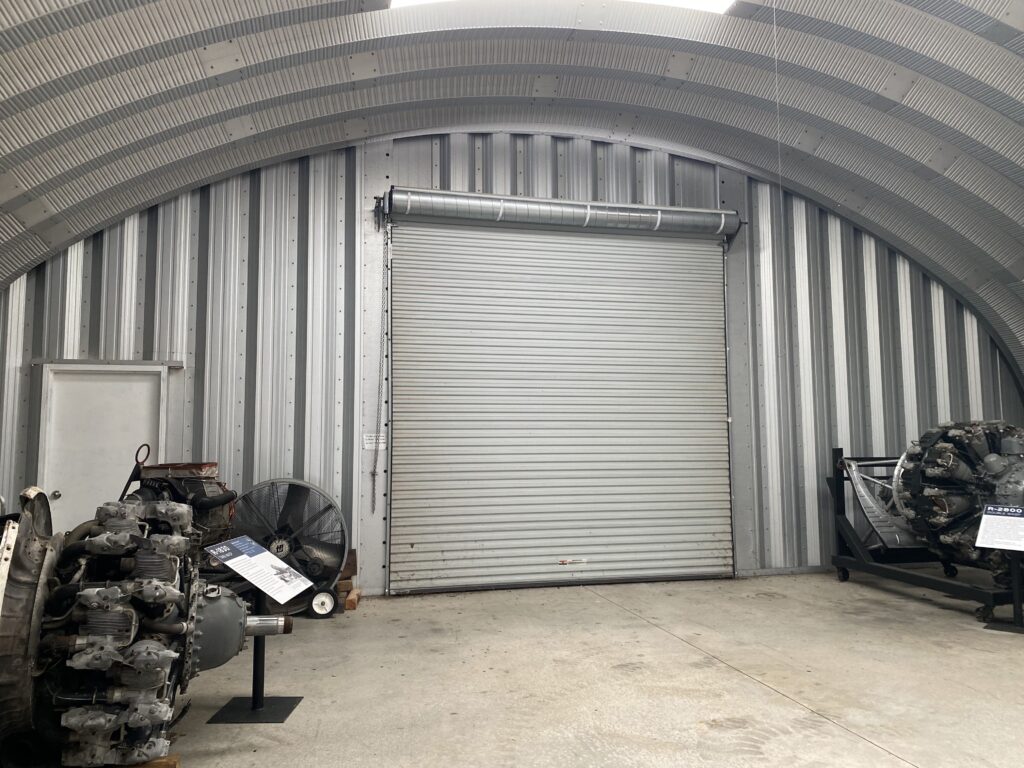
(851, 554)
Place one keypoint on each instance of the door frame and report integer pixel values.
(52, 370)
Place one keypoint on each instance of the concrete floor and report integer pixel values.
(781, 671)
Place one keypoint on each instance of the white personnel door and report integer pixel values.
(93, 419)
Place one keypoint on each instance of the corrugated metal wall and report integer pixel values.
(222, 280)
(854, 346)
(835, 338)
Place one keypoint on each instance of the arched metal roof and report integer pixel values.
(906, 116)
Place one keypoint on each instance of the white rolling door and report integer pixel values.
(559, 408)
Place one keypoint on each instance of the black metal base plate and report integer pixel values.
(1003, 627)
(276, 709)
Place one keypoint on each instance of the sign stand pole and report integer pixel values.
(257, 708)
(1017, 595)
(259, 658)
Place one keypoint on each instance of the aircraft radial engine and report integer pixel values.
(102, 627)
(942, 484)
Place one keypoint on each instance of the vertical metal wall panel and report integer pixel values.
(458, 162)
(374, 164)
(806, 357)
(856, 333)
(12, 438)
(927, 410)
(175, 261)
(73, 299)
(908, 364)
(175, 310)
(324, 446)
(744, 445)
(5, 298)
(956, 353)
(55, 296)
(111, 275)
(988, 357)
(414, 161)
(546, 389)
(873, 336)
(580, 170)
(33, 348)
(972, 356)
(889, 348)
(620, 173)
(119, 313)
(92, 294)
(1013, 403)
(541, 166)
(841, 381)
(563, 171)
(823, 394)
(519, 173)
(500, 164)
(274, 388)
(771, 434)
(224, 428)
(693, 183)
(644, 177)
(132, 291)
(940, 352)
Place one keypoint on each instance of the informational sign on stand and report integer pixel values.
(1002, 527)
(262, 569)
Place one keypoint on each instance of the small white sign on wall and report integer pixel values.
(1002, 527)
(373, 440)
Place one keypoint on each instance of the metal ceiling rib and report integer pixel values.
(906, 113)
(274, 48)
(860, 121)
(755, 115)
(129, 35)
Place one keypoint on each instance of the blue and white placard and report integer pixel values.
(264, 570)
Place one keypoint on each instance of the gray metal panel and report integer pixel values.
(559, 408)
(273, 438)
(325, 379)
(224, 384)
(12, 439)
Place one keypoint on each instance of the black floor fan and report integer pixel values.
(303, 526)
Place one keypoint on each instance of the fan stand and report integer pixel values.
(257, 708)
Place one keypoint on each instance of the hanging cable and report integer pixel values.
(778, 102)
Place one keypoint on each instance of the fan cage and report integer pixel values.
(286, 507)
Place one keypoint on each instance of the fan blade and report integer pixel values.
(331, 555)
(295, 499)
(253, 519)
(313, 520)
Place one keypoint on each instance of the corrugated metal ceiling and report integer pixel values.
(907, 114)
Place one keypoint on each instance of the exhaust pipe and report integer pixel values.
(257, 626)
